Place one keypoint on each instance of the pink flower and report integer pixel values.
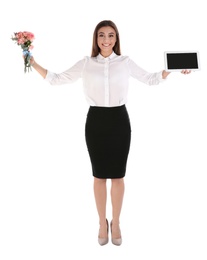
(20, 41)
(30, 36)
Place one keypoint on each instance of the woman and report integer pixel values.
(105, 78)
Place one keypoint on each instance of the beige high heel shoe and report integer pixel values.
(105, 240)
(115, 241)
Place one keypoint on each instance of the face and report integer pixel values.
(106, 40)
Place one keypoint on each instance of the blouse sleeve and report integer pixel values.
(67, 77)
(146, 77)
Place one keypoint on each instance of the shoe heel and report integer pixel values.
(105, 240)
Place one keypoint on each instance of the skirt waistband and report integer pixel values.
(107, 108)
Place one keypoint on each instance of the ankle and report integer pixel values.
(103, 222)
(115, 222)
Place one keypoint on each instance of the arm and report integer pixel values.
(68, 76)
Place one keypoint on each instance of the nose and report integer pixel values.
(106, 39)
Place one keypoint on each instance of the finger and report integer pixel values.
(186, 71)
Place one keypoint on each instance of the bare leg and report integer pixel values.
(117, 194)
(100, 193)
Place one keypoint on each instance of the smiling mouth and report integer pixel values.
(106, 45)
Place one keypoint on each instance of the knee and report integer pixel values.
(118, 181)
(99, 181)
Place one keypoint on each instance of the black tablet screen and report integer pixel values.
(182, 61)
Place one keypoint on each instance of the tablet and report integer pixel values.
(181, 60)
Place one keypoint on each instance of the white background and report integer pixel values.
(47, 208)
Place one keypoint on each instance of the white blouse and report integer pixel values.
(105, 80)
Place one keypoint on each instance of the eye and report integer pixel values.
(111, 35)
(101, 35)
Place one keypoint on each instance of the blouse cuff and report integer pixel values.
(49, 76)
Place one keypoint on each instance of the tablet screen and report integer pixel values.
(181, 60)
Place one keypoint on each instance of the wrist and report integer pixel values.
(165, 74)
(32, 62)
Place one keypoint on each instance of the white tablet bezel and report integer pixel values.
(171, 52)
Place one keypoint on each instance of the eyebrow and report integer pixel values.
(108, 33)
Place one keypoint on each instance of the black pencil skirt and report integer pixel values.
(108, 136)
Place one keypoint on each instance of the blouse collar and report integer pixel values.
(100, 57)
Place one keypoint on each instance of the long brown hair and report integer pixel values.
(95, 48)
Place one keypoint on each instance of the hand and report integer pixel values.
(186, 72)
(32, 61)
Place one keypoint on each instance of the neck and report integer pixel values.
(106, 54)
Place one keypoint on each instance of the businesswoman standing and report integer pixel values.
(105, 75)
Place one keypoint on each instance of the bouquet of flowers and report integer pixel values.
(25, 39)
